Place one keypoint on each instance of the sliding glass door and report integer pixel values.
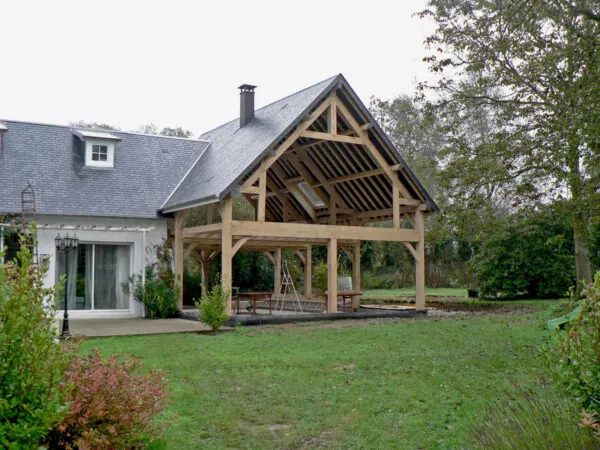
(97, 274)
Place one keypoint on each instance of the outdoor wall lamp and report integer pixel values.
(66, 244)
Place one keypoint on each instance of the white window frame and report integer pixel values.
(110, 154)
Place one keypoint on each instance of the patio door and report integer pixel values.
(97, 274)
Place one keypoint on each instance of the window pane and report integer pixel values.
(95, 157)
(79, 288)
(111, 273)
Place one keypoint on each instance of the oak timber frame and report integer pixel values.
(316, 152)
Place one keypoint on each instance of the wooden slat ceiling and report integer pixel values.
(367, 191)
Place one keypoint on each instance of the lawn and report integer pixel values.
(389, 384)
(394, 294)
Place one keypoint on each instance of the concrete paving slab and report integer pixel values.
(132, 327)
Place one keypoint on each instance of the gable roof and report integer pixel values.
(51, 157)
(234, 152)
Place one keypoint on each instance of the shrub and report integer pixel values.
(211, 308)
(320, 275)
(112, 405)
(575, 354)
(159, 299)
(530, 255)
(530, 421)
(32, 363)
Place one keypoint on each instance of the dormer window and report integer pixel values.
(99, 147)
(100, 153)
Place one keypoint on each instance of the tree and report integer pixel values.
(93, 125)
(152, 128)
(534, 67)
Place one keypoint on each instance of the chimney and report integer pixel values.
(246, 104)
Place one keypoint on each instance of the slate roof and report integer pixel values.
(156, 173)
(235, 151)
(147, 169)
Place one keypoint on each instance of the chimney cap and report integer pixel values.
(246, 88)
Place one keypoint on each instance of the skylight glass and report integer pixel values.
(311, 194)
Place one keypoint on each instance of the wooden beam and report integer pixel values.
(395, 206)
(190, 248)
(180, 217)
(277, 274)
(411, 249)
(308, 273)
(373, 151)
(332, 119)
(333, 207)
(302, 126)
(355, 176)
(332, 277)
(262, 196)
(333, 137)
(270, 256)
(318, 232)
(253, 190)
(356, 276)
(209, 213)
(201, 230)
(420, 261)
(239, 244)
(226, 250)
(301, 256)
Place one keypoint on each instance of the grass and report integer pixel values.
(396, 294)
(404, 384)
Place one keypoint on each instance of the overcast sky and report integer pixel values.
(172, 63)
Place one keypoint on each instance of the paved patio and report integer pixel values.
(132, 327)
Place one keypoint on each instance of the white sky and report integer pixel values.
(128, 63)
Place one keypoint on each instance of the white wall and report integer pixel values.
(139, 257)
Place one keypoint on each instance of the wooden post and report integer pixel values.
(277, 277)
(308, 272)
(209, 213)
(204, 262)
(180, 217)
(356, 276)
(332, 276)
(420, 261)
(227, 249)
(262, 197)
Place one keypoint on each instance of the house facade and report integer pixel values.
(105, 187)
(315, 167)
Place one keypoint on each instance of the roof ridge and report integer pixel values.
(273, 102)
(75, 127)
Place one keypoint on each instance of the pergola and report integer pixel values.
(325, 182)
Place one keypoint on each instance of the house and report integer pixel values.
(315, 166)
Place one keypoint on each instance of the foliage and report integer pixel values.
(530, 255)
(112, 404)
(32, 363)
(159, 299)
(575, 354)
(192, 285)
(211, 308)
(519, 88)
(93, 125)
(252, 270)
(532, 420)
(152, 128)
(320, 277)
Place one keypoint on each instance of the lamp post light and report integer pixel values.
(66, 244)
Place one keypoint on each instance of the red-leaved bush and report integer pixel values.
(112, 404)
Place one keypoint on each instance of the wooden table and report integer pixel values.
(254, 296)
(345, 295)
